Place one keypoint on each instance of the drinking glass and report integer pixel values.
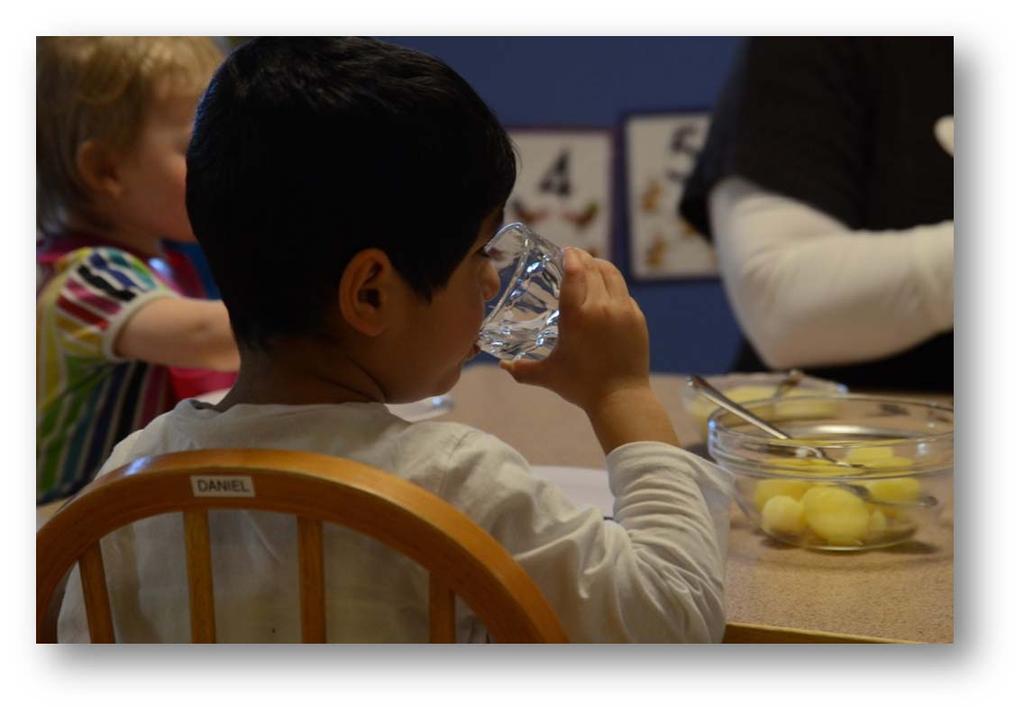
(522, 319)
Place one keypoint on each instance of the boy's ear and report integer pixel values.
(97, 167)
(366, 291)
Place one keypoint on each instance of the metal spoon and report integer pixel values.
(701, 385)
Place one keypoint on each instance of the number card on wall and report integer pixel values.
(564, 187)
(661, 153)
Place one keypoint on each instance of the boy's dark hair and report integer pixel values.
(308, 150)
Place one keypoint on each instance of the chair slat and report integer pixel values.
(311, 580)
(442, 610)
(94, 594)
(200, 575)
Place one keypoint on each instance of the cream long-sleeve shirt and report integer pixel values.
(808, 291)
(654, 575)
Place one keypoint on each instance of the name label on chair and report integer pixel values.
(222, 486)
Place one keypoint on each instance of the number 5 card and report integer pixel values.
(564, 187)
(661, 153)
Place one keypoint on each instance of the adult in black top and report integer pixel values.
(844, 129)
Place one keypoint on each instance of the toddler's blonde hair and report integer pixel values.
(100, 88)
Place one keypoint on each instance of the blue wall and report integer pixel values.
(594, 81)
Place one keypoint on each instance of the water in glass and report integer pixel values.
(523, 319)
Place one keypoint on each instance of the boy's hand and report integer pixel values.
(602, 336)
(601, 361)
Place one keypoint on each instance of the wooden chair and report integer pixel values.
(461, 558)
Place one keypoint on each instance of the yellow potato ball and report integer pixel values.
(836, 515)
(701, 408)
(768, 489)
(893, 465)
(896, 490)
(824, 408)
(878, 457)
(877, 524)
(783, 514)
(750, 393)
(868, 454)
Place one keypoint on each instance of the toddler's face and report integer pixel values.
(153, 172)
(442, 334)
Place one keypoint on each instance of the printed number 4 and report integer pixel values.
(556, 180)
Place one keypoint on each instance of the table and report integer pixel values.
(774, 592)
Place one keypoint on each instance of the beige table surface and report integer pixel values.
(899, 593)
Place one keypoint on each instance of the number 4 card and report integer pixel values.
(564, 187)
(661, 152)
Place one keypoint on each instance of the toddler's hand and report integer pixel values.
(602, 337)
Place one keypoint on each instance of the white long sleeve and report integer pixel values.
(655, 575)
(808, 291)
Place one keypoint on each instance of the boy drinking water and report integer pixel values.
(344, 191)
(114, 334)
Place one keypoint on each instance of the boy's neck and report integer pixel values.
(301, 373)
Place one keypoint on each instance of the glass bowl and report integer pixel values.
(749, 387)
(897, 452)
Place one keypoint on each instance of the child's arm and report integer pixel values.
(601, 362)
(654, 575)
(180, 332)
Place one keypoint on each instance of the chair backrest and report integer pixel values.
(461, 558)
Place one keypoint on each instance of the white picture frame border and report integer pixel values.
(638, 244)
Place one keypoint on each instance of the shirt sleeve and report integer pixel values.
(92, 295)
(809, 291)
(655, 574)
